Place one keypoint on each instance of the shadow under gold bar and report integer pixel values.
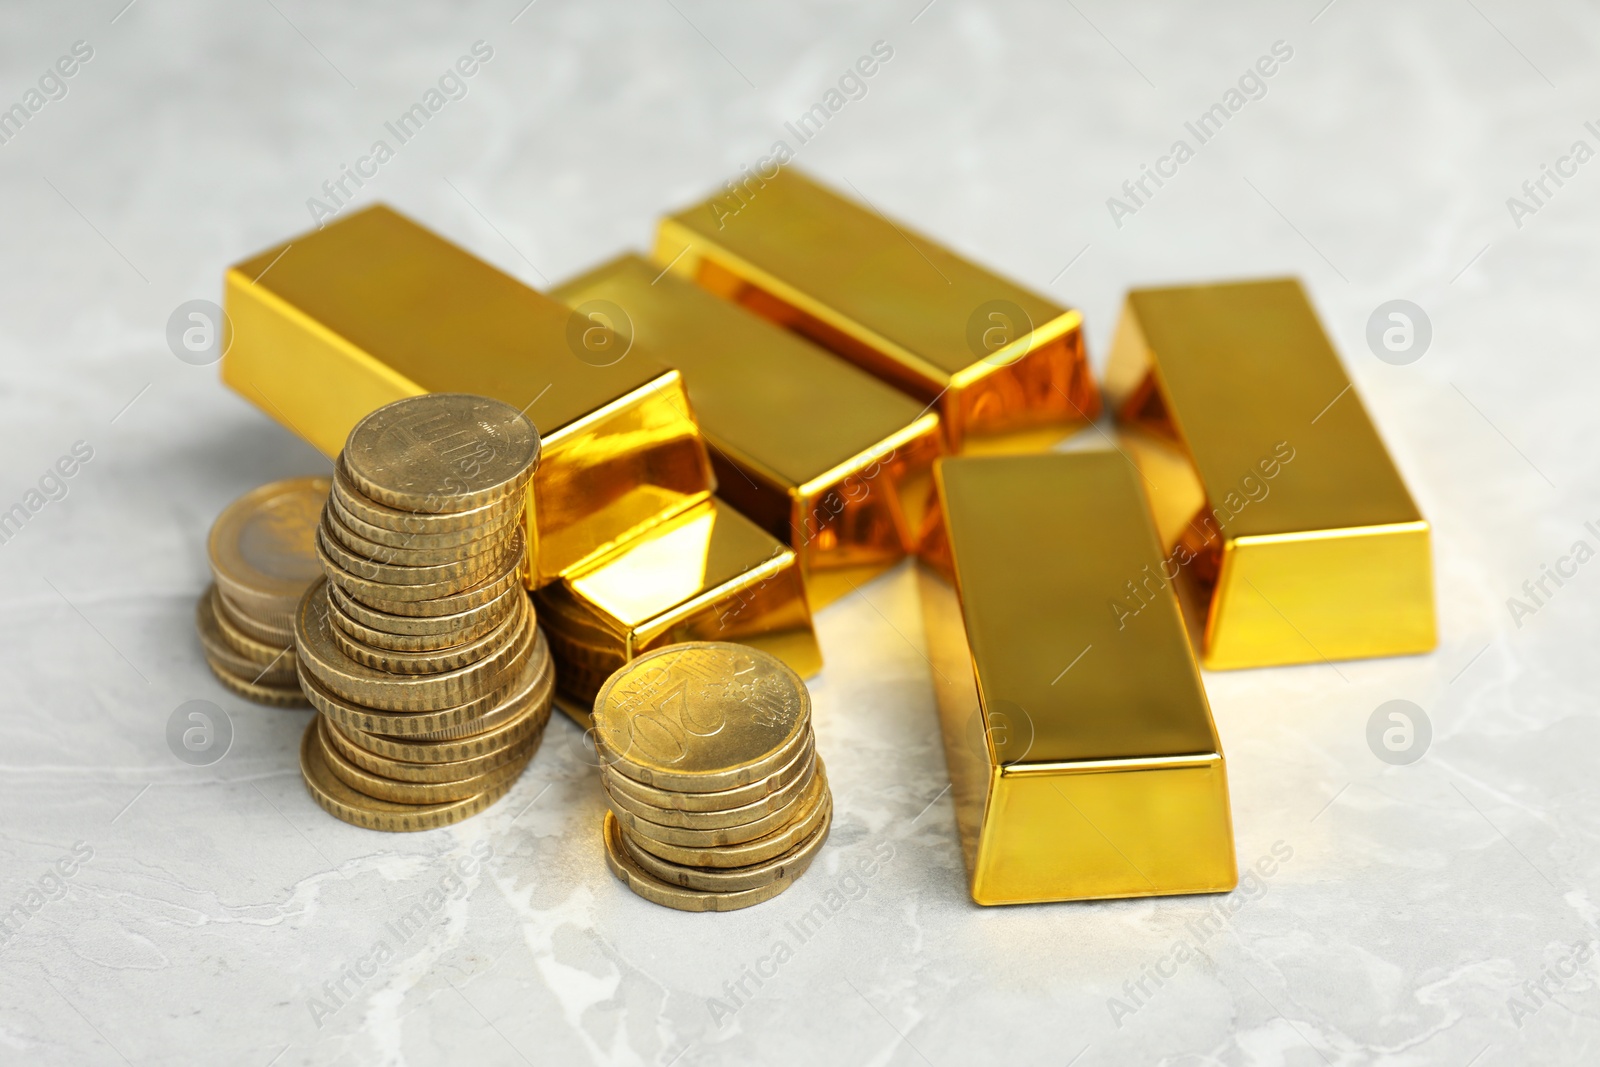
(819, 453)
(1082, 755)
(1291, 536)
(374, 307)
(1004, 367)
(709, 574)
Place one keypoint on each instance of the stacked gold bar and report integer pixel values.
(420, 648)
(260, 549)
(717, 797)
(1004, 367)
(823, 456)
(1287, 529)
(1082, 755)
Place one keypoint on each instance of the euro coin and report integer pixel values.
(769, 807)
(260, 547)
(379, 597)
(384, 581)
(356, 503)
(442, 452)
(788, 776)
(657, 891)
(219, 653)
(466, 623)
(746, 853)
(714, 837)
(433, 661)
(785, 867)
(381, 788)
(279, 696)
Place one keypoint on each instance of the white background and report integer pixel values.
(1418, 898)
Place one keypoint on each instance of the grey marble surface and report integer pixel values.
(209, 908)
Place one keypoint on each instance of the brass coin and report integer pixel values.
(442, 452)
(789, 865)
(466, 624)
(358, 504)
(381, 788)
(746, 853)
(433, 661)
(261, 551)
(321, 657)
(745, 815)
(405, 555)
(220, 653)
(721, 836)
(395, 724)
(278, 696)
(241, 620)
(523, 711)
(701, 717)
(387, 581)
(259, 652)
(666, 799)
(343, 623)
(653, 889)
(424, 773)
(510, 574)
(342, 802)
(496, 525)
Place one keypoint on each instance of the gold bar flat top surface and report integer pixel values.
(1243, 366)
(391, 288)
(851, 267)
(1040, 547)
(769, 400)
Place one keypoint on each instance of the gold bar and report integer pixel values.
(1082, 756)
(1292, 537)
(1004, 368)
(819, 453)
(709, 574)
(373, 308)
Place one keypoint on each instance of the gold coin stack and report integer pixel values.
(718, 799)
(419, 649)
(262, 561)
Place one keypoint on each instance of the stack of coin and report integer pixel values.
(586, 652)
(717, 797)
(420, 648)
(262, 561)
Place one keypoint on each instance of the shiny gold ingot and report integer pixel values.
(819, 453)
(1004, 368)
(1082, 756)
(372, 308)
(708, 575)
(1285, 525)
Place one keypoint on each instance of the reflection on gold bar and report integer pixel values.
(373, 308)
(1290, 534)
(1004, 367)
(709, 574)
(821, 454)
(1082, 756)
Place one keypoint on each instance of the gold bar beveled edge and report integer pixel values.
(1124, 764)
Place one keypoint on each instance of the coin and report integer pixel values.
(220, 654)
(478, 618)
(392, 642)
(386, 581)
(769, 807)
(363, 507)
(260, 547)
(381, 788)
(384, 691)
(701, 717)
(281, 696)
(243, 621)
(342, 802)
(498, 581)
(747, 852)
(765, 823)
(406, 555)
(653, 889)
(523, 711)
(659, 799)
(786, 867)
(442, 452)
(494, 524)
(395, 724)
(436, 660)
(259, 652)
(427, 773)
